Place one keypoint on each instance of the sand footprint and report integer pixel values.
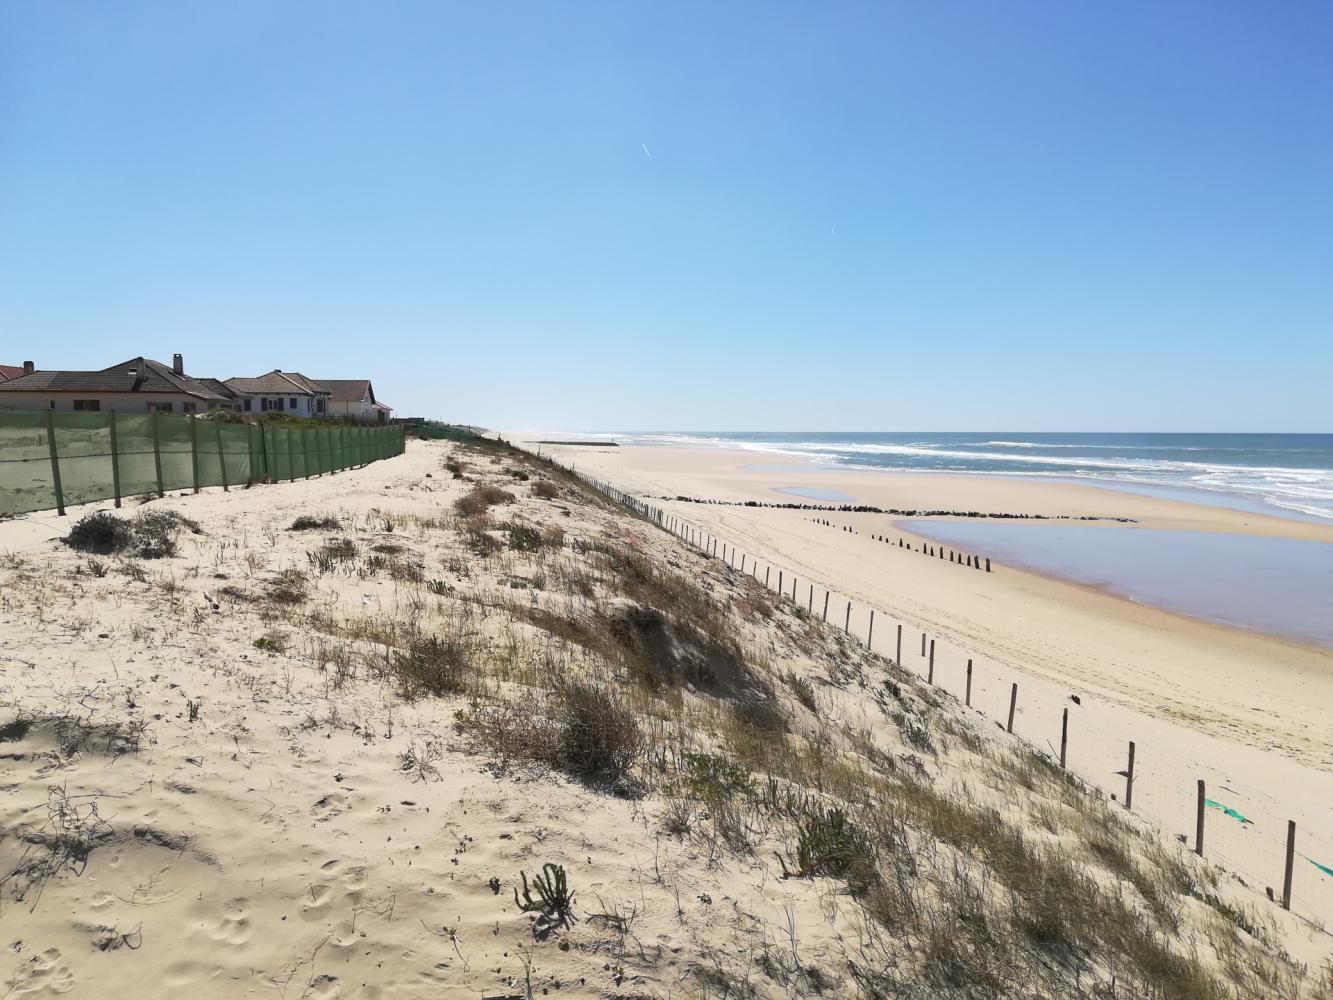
(315, 902)
(333, 804)
(234, 927)
(44, 973)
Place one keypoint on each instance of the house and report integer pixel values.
(285, 392)
(354, 399)
(133, 386)
(10, 371)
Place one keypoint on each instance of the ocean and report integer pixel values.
(1283, 474)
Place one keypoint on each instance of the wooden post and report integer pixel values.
(967, 698)
(1291, 858)
(898, 654)
(194, 451)
(1013, 703)
(810, 602)
(793, 590)
(115, 459)
(780, 591)
(923, 643)
(222, 457)
(1198, 823)
(55, 462)
(263, 448)
(988, 564)
(826, 605)
(1064, 736)
(1129, 778)
(847, 622)
(157, 452)
(767, 570)
(870, 636)
(930, 673)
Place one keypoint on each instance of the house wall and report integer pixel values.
(121, 402)
(295, 405)
(360, 410)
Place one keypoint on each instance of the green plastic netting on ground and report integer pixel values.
(52, 459)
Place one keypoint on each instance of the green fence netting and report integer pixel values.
(54, 459)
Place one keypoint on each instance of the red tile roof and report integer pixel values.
(9, 371)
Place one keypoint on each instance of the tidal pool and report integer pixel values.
(1281, 586)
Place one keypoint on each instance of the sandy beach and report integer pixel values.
(1248, 711)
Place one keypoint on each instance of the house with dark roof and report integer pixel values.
(133, 386)
(13, 371)
(283, 392)
(354, 399)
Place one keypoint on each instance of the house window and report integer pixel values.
(319, 406)
(87, 404)
(293, 402)
(159, 407)
(247, 405)
(188, 407)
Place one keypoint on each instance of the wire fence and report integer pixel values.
(1273, 847)
(51, 459)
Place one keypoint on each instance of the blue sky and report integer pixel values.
(884, 216)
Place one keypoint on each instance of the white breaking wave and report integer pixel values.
(1305, 491)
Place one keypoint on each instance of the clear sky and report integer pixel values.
(881, 216)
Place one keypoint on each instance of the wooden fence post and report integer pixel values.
(847, 623)
(793, 590)
(55, 462)
(194, 451)
(1129, 778)
(780, 591)
(930, 673)
(967, 698)
(826, 605)
(115, 459)
(923, 643)
(157, 452)
(810, 601)
(1198, 823)
(1291, 858)
(1064, 735)
(870, 636)
(898, 653)
(1013, 703)
(222, 457)
(767, 570)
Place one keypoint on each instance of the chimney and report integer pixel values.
(29, 368)
(178, 364)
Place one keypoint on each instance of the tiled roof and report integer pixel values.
(9, 371)
(134, 375)
(220, 387)
(349, 390)
(383, 406)
(278, 383)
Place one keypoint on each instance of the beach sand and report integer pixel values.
(255, 808)
(1251, 713)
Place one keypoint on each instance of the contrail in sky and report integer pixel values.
(645, 151)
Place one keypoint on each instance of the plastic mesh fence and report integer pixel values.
(51, 459)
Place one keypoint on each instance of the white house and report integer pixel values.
(284, 392)
(354, 399)
(133, 386)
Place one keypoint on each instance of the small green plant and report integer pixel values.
(96, 567)
(829, 844)
(438, 587)
(432, 666)
(270, 642)
(554, 899)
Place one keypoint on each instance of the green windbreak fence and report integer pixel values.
(53, 459)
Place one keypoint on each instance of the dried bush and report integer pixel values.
(288, 586)
(482, 499)
(102, 532)
(315, 522)
(601, 736)
(545, 489)
(432, 666)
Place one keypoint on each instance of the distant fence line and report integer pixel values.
(1174, 799)
(53, 459)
